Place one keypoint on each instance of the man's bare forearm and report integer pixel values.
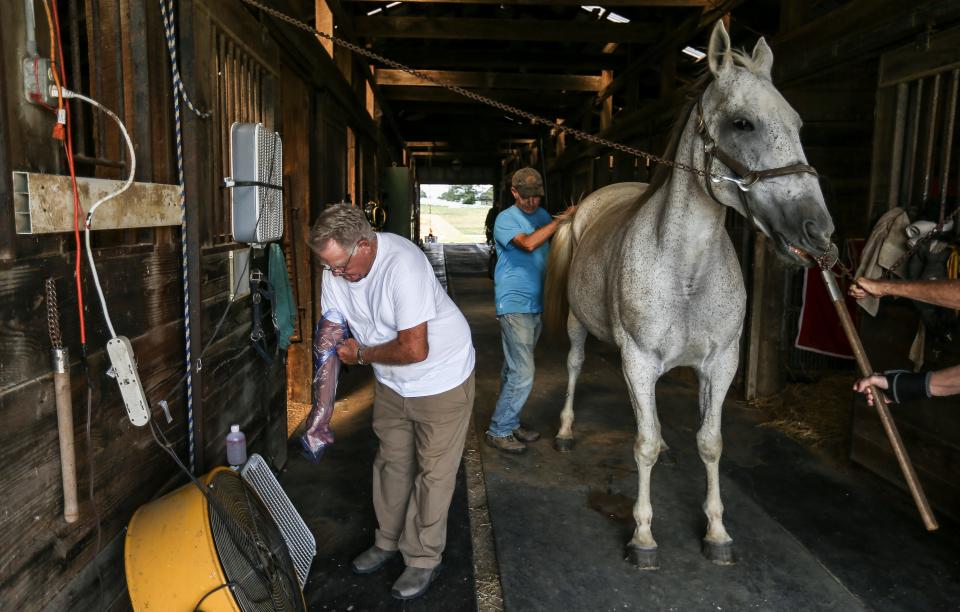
(531, 242)
(395, 353)
(944, 293)
(945, 382)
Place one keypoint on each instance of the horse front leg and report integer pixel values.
(563, 442)
(641, 373)
(717, 543)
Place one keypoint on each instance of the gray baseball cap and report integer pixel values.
(527, 182)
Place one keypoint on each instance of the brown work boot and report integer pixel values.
(508, 444)
(525, 434)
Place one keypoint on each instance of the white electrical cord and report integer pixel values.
(66, 93)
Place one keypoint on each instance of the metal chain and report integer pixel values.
(922, 239)
(535, 119)
(53, 315)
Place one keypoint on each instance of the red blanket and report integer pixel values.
(820, 330)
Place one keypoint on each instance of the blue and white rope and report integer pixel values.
(169, 22)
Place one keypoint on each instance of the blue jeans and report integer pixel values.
(519, 332)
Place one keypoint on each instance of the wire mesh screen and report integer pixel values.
(251, 549)
(301, 543)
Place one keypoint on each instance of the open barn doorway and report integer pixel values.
(454, 214)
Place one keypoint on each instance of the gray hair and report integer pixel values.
(346, 225)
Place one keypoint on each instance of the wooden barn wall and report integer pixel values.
(44, 561)
(837, 111)
(140, 274)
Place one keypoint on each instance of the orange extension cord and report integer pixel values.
(62, 132)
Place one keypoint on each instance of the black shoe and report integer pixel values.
(414, 582)
(507, 444)
(525, 434)
(371, 560)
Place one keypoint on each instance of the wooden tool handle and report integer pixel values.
(68, 461)
(880, 402)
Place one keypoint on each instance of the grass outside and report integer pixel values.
(453, 224)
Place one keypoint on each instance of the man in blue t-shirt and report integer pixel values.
(521, 236)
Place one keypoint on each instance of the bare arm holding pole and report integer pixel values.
(944, 293)
(866, 370)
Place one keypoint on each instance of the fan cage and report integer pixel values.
(251, 549)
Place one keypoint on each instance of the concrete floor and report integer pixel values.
(809, 536)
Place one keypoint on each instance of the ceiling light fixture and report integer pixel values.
(696, 54)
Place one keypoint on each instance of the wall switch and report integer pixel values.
(125, 369)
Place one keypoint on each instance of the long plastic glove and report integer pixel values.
(330, 331)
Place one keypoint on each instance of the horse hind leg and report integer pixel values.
(563, 442)
(717, 543)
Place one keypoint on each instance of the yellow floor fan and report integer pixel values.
(240, 546)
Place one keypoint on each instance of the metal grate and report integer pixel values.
(257, 201)
(251, 549)
(300, 542)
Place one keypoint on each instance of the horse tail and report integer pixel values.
(555, 301)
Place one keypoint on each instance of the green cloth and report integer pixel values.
(284, 307)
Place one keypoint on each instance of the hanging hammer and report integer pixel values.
(826, 263)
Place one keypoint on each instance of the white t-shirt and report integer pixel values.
(400, 292)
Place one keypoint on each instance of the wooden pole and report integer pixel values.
(68, 461)
(880, 402)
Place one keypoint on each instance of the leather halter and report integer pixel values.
(744, 178)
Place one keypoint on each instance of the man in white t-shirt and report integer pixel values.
(405, 325)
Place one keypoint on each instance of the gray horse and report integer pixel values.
(651, 268)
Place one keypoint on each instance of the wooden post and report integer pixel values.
(879, 400)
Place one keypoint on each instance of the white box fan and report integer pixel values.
(256, 183)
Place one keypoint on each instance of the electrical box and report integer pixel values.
(239, 273)
(256, 184)
(37, 80)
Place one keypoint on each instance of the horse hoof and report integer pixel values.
(563, 445)
(643, 558)
(720, 554)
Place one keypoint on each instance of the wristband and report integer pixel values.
(360, 359)
(904, 386)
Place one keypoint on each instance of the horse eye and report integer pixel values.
(743, 125)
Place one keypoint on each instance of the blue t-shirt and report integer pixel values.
(518, 278)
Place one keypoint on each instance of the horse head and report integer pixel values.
(752, 149)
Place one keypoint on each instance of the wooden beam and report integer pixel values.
(606, 4)
(831, 40)
(492, 80)
(513, 97)
(500, 59)
(687, 30)
(455, 28)
(463, 154)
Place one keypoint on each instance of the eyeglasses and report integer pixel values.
(341, 270)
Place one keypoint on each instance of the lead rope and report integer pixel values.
(169, 22)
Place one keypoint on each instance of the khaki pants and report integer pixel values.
(414, 474)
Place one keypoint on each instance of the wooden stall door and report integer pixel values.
(916, 165)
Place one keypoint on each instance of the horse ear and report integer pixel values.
(763, 58)
(719, 55)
